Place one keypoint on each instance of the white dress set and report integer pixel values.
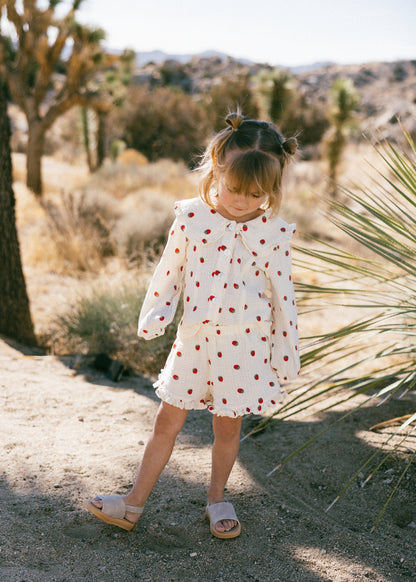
(238, 332)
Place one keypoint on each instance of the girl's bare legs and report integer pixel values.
(224, 453)
(168, 423)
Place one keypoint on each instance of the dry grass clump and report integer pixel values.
(123, 210)
(165, 176)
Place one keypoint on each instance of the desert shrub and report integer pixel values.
(140, 233)
(308, 121)
(173, 73)
(105, 321)
(164, 123)
(79, 227)
(226, 95)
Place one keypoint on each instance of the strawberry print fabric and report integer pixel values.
(238, 299)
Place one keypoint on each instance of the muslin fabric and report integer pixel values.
(238, 301)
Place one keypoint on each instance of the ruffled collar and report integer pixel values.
(204, 224)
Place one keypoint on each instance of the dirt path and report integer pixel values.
(70, 434)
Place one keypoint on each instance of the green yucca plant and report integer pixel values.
(375, 355)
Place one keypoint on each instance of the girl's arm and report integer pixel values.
(163, 294)
(285, 343)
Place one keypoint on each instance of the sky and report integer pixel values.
(287, 33)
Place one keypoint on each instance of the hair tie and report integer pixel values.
(234, 120)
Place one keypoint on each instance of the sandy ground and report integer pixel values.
(70, 433)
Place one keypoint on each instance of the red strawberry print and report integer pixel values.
(235, 343)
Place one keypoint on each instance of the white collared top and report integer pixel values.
(231, 273)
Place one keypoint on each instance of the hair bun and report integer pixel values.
(290, 145)
(234, 120)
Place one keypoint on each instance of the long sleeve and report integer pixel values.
(285, 342)
(164, 291)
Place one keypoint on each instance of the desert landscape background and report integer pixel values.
(70, 431)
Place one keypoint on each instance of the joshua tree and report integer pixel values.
(15, 319)
(29, 65)
(344, 100)
(114, 85)
(275, 92)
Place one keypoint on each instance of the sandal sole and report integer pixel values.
(122, 523)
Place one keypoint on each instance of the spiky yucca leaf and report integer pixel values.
(375, 355)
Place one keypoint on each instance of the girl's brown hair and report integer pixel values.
(258, 156)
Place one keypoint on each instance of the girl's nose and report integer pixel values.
(242, 200)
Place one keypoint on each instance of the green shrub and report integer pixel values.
(105, 321)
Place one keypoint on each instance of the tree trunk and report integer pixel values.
(36, 140)
(15, 319)
(86, 136)
(101, 137)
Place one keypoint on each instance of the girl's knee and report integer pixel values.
(170, 419)
(225, 427)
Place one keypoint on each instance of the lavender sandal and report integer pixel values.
(113, 510)
(218, 512)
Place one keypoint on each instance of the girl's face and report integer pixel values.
(236, 205)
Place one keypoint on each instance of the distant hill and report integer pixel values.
(158, 57)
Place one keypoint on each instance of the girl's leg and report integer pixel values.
(224, 453)
(168, 423)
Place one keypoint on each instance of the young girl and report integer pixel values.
(228, 252)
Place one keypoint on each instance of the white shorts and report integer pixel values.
(223, 368)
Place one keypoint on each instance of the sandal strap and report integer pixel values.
(114, 506)
(220, 511)
(134, 509)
